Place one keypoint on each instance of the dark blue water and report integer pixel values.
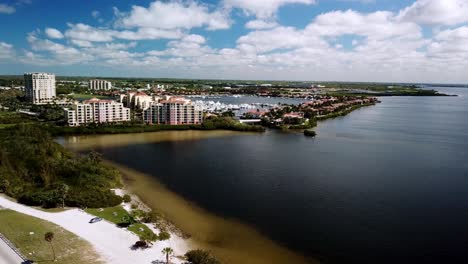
(385, 184)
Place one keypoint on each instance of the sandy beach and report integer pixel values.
(110, 242)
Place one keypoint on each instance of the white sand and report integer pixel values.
(110, 242)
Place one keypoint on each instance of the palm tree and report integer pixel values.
(49, 236)
(168, 251)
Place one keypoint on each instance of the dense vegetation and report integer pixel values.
(342, 113)
(199, 256)
(212, 123)
(228, 123)
(37, 171)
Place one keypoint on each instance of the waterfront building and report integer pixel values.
(39, 87)
(173, 111)
(137, 100)
(96, 111)
(97, 84)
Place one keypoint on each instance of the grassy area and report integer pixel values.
(6, 125)
(8, 118)
(69, 248)
(115, 214)
(118, 215)
(140, 230)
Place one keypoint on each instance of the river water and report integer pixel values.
(385, 184)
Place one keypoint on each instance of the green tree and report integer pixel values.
(49, 237)
(5, 184)
(63, 192)
(168, 251)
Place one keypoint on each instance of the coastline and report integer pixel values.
(229, 240)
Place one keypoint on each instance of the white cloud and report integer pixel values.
(337, 45)
(276, 38)
(175, 15)
(263, 8)
(61, 54)
(260, 24)
(6, 9)
(188, 46)
(436, 12)
(360, 1)
(81, 43)
(147, 33)
(88, 33)
(451, 43)
(82, 32)
(377, 25)
(6, 50)
(53, 33)
(95, 14)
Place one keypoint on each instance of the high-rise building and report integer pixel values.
(173, 111)
(39, 87)
(97, 84)
(96, 111)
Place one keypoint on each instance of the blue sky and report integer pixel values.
(342, 40)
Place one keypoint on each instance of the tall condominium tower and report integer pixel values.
(100, 85)
(39, 87)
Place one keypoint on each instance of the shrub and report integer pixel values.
(163, 235)
(140, 244)
(126, 198)
(199, 256)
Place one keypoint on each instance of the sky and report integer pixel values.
(418, 41)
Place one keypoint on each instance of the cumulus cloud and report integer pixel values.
(451, 43)
(79, 33)
(336, 45)
(61, 53)
(53, 33)
(263, 8)
(7, 9)
(436, 12)
(95, 14)
(175, 15)
(85, 32)
(260, 24)
(377, 25)
(6, 50)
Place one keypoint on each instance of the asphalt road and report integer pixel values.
(7, 255)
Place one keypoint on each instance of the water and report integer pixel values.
(256, 102)
(385, 184)
(247, 99)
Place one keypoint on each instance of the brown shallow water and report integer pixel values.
(230, 240)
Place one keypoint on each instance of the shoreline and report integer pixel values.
(231, 241)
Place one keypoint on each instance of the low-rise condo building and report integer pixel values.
(173, 111)
(97, 84)
(96, 111)
(137, 100)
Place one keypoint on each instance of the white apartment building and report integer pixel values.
(97, 84)
(173, 111)
(96, 111)
(39, 87)
(137, 100)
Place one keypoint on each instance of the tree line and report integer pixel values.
(37, 171)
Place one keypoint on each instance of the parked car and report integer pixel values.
(95, 220)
